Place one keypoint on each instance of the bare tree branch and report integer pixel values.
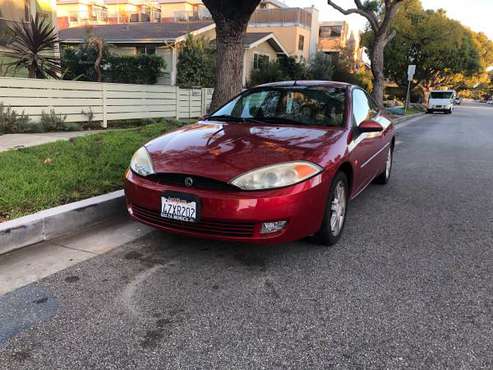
(370, 16)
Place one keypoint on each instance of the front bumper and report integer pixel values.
(440, 108)
(236, 215)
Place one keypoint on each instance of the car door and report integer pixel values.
(363, 146)
(382, 139)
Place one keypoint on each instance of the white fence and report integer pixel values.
(107, 101)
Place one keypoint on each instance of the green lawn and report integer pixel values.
(49, 175)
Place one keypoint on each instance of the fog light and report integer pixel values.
(272, 227)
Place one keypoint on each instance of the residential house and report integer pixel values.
(74, 13)
(295, 28)
(164, 39)
(335, 37)
(21, 11)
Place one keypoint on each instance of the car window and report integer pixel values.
(361, 106)
(322, 106)
(374, 109)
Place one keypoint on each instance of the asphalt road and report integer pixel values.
(409, 285)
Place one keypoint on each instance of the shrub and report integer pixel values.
(29, 126)
(321, 67)
(10, 120)
(293, 69)
(196, 64)
(52, 121)
(135, 69)
(78, 64)
(270, 72)
(72, 126)
(90, 123)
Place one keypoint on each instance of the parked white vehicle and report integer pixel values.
(441, 101)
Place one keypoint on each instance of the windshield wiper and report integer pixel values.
(225, 118)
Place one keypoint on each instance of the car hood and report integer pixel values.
(223, 151)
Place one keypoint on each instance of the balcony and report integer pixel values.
(285, 17)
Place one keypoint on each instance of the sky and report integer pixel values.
(476, 14)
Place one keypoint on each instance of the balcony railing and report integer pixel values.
(281, 17)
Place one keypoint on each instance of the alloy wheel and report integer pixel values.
(388, 164)
(338, 208)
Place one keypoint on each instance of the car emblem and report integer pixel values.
(188, 181)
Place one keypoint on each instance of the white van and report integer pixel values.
(441, 101)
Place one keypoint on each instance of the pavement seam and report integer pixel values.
(75, 249)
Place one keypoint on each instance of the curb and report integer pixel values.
(407, 118)
(54, 222)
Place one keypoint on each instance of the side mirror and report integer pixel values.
(370, 126)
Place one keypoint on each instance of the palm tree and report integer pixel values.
(33, 45)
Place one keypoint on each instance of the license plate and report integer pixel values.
(180, 207)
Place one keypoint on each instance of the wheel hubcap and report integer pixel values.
(388, 165)
(338, 208)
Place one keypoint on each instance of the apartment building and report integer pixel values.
(184, 10)
(74, 13)
(131, 11)
(336, 37)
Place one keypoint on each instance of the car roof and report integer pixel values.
(307, 83)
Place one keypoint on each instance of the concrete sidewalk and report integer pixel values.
(16, 141)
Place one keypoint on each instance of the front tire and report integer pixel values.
(335, 212)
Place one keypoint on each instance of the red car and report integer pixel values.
(277, 163)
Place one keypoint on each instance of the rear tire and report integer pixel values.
(384, 177)
(335, 212)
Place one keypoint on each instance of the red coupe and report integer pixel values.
(277, 163)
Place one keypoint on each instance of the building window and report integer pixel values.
(301, 42)
(260, 60)
(148, 50)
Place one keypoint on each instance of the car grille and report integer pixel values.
(178, 179)
(215, 227)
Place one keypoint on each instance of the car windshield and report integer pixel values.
(441, 95)
(320, 106)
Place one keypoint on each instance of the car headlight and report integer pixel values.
(277, 176)
(141, 163)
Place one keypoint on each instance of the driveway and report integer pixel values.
(409, 285)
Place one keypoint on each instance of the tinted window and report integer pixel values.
(441, 95)
(322, 106)
(361, 106)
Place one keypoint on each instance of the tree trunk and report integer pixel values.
(229, 63)
(31, 70)
(377, 68)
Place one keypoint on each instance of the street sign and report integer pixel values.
(411, 70)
